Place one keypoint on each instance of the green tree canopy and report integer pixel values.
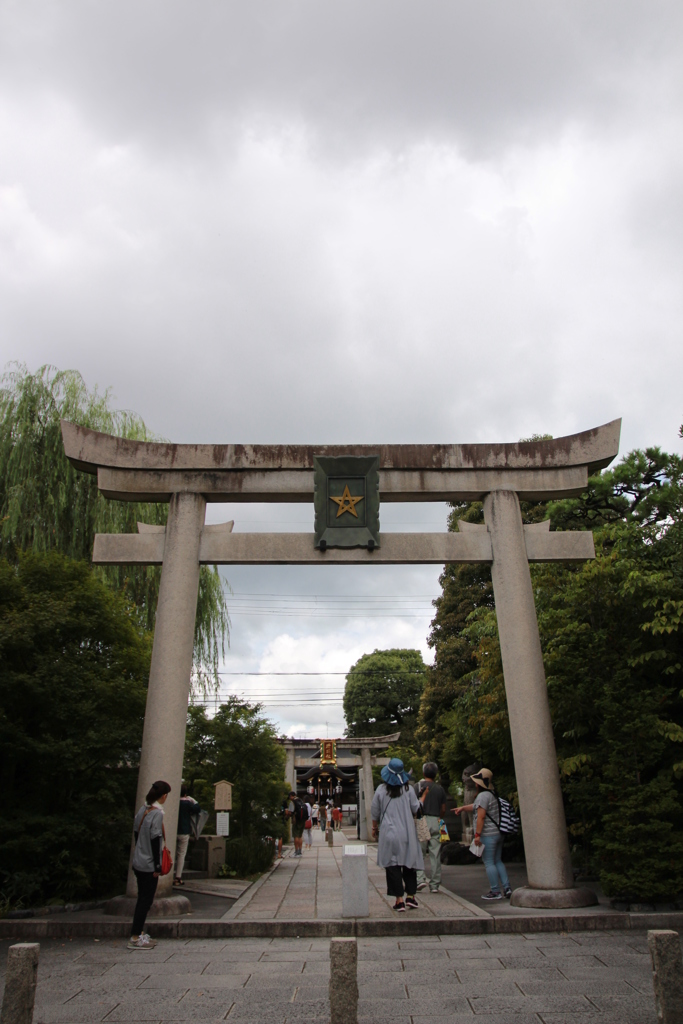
(382, 694)
(239, 745)
(47, 505)
(611, 636)
(74, 665)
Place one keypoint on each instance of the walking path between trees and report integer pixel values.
(302, 896)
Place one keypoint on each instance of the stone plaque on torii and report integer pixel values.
(187, 476)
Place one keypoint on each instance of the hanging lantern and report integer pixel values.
(338, 789)
(310, 789)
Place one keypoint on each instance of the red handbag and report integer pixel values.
(166, 860)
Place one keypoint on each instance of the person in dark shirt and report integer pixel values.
(432, 796)
(188, 809)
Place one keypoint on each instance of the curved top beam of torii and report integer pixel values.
(152, 471)
(89, 450)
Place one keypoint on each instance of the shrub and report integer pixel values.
(248, 856)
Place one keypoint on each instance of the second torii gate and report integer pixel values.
(187, 476)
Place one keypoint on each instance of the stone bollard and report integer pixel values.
(355, 898)
(667, 975)
(343, 981)
(329, 837)
(20, 983)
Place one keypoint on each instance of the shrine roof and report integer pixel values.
(345, 743)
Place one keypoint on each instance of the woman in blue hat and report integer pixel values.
(399, 852)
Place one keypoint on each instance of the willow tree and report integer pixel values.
(47, 505)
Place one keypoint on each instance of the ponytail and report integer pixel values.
(158, 789)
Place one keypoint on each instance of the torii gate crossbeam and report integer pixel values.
(187, 476)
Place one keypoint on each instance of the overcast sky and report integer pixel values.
(287, 220)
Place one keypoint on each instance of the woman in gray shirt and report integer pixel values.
(398, 852)
(148, 830)
(486, 817)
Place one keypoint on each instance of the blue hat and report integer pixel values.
(393, 773)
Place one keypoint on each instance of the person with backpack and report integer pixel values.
(148, 829)
(187, 810)
(308, 826)
(298, 815)
(487, 814)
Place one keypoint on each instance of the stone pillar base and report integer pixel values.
(165, 906)
(552, 899)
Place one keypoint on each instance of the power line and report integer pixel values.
(360, 672)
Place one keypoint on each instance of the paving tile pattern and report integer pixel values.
(582, 978)
(310, 888)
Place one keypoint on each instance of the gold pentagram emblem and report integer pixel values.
(347, 503)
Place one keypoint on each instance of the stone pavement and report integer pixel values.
(310, 888)
(582, 978)
(302, 897)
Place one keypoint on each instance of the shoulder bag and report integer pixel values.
(424, 833)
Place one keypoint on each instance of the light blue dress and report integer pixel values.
(397, 836)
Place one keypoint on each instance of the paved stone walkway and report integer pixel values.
(310, 888)
(582, 978)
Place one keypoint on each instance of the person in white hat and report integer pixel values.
(486, 811)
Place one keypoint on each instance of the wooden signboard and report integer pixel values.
(222, 800)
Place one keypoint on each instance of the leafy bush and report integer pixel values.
(248, 856)
(73, 671)
(240, 745)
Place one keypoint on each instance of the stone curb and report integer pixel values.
(28, 930)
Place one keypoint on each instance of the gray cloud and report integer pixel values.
(314, 222)
(482, 75)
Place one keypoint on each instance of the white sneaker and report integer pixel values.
(142, 942)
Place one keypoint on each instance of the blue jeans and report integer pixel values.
(492, 858)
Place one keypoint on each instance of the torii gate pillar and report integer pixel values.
(538, 780)
(163, 737)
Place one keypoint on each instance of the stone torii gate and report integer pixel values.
(188, 476)
(366, 745)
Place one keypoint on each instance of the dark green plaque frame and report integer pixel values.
(331, 476)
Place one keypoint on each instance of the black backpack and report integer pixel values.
(300, 810)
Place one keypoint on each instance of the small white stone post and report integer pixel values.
(667, 975)
(538, 779)
(343, 981)
(355, 898)
(20, 983)
(163, 738)
(366, 760)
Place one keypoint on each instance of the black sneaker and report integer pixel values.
(507, 893)
(411, 903)
(492, 896)
(400, 906)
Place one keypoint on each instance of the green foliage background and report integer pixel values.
(74, 665)
(239, 745)
(382, 694)
(611, 636)
(75, 645)
(47, 505)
